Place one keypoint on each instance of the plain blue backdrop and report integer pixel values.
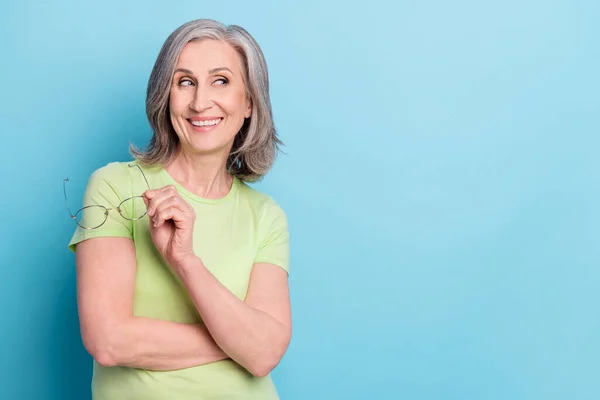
(440, 178)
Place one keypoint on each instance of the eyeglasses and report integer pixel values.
(95, 215)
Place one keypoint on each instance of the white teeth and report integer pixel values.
(211, 122)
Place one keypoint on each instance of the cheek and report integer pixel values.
(177, 102)
(237, 105)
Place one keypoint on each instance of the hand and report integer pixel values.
(171, 224)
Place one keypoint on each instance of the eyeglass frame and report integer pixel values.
(106, 210)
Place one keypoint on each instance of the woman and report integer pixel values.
(185, 296)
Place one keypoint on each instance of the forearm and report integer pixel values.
(162, 345)
(251, 337)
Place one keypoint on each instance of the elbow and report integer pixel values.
(105, 358)
(262, 368)
(101, 348)
(261, 373)
(264, 364)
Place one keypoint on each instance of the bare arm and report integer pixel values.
(255, 332)
(111, 334)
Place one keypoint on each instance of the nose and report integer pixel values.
(201, 101)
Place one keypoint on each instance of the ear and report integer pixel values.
(248, 112)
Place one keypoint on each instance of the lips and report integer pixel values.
(205, 122)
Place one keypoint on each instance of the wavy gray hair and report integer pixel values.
(256, 145)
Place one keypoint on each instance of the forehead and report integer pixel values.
(201, 56)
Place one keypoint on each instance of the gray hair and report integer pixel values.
(256, 144)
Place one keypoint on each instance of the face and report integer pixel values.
(208, 101)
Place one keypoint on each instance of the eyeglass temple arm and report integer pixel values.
(144, 175)
(65, 191)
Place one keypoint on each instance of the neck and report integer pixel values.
(205, 176)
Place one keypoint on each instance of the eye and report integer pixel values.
(185, 82)
(221, 81)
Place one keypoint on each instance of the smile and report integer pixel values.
(206, 123)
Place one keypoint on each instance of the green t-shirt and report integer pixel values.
(230, 235)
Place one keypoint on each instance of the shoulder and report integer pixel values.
(113, 171)
(260, 200)
(266, 207)
(110, 180)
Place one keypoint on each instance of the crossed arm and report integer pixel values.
(255, 332)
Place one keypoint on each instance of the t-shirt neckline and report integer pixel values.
(195, 197)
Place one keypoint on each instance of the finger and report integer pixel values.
(164, 200)
(159, 196)
(151, 193)
(174, 213)
(172, 201)
(187, 213)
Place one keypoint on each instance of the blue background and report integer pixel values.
(441, 182)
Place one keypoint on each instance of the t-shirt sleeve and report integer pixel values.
(107, 186)
(274, 246)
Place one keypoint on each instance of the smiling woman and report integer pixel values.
(207, 61)
(191, 300)
(208, 104)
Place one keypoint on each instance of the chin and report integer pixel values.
(207, 147)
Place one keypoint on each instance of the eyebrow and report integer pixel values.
(185, 71)
(210, 71)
